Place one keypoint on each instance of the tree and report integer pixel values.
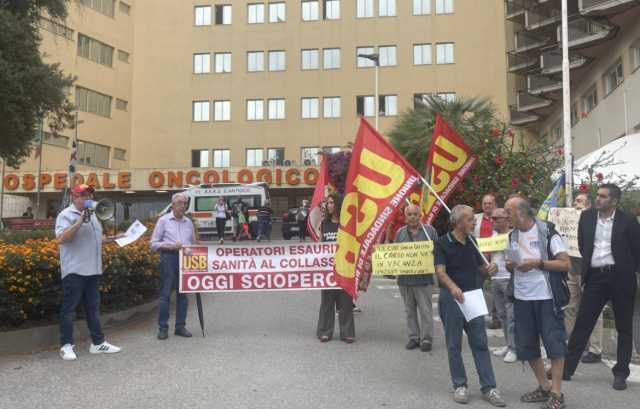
(505, 163)
(30, 89)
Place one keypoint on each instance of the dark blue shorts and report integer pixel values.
(535, 320)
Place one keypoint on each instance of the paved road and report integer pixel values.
(260, 352)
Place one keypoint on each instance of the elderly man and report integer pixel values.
(458, 264)
(80, 237)
(416, 290)
(500, 289)
(609, 242)
(539, 261)
(173, 231)
(483, 229)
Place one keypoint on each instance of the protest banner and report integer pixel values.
(492, 244)
(257, 268)
(403, 258)
(566, 221)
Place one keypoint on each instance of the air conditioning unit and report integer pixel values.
(288, 163)
(308, 162)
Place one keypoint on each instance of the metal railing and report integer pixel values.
(540, 84)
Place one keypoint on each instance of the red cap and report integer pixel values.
(82, 188)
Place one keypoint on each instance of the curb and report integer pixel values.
(30, 340)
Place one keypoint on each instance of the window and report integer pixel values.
(56, 140)
(331, 58)
(276, 61)
(331, 9)
(277, 13)
(421, 54)
(200, 158)
(590, 100)
(420, 98)
(92, 154)
(275, 156)
(106, 7)
(254, 157)
(421, 7)
(56, 28)
(310, 10)
(387, 55)
(444, 53)
(447, 96)
(123, 56)
(364, 62)
(387, 8)
(223, 62)
(255, 13)
(255, 110)
(613, 77)
(310, 108)
(223, 14)
(222, 110)
(95, 50)
(93, 102)
(388, 105)
(255, 61)
(332, 107)
(119, 154)
(310, 156)
(221, 158)
(203, 15)
(125, 8)
(444, 6)
(121, 104)
(328, 150)
(364, 8)
(200, 111)
(276, 109)
(201, 63)
(365, 105)
(310, 59)
(634, 61)
(575, 118)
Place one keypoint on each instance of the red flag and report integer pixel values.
(324, 187)
(378, 181)
(449, 160)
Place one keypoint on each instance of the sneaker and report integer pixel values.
(104, 348)
(67, 353)
(619, 383)
(591, 358)
(461, 394)
(501, 351)
(221, 241)
(510, 357)
(494, 398)
(412, 344)
(425, 346)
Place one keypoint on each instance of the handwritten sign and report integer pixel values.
(566, 221)
(403, 258)
(495, 243)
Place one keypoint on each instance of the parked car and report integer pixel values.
(289, 224)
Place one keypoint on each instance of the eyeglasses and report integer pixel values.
(498, 218)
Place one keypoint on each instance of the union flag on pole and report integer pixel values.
(378, 181)
(324, 188)
(449, 160)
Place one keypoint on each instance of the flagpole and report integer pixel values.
(566, 106)
(39, 167)
(2, 194)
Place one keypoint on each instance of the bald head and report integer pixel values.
(520, 212)
(412, 215)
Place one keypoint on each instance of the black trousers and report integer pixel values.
(601, 288)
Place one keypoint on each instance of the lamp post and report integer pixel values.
(566, 106)
(375, 57)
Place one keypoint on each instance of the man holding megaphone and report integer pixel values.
(79, 234)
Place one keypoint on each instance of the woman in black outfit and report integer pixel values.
(330, 299)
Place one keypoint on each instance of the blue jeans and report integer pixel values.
(454, 323)
(77, 289)
(168, 281)
(264, 229)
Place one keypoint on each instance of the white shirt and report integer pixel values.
(499, 258)
(602, 255)
(532, 285)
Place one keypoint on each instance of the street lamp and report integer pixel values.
(375, 57)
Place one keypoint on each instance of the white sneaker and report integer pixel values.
(502, 351)
(67, 353)
(461, 394)
(104, 348)
(510, 357)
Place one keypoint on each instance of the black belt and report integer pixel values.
(604, 269)
(168, 251)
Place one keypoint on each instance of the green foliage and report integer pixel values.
(505, 164)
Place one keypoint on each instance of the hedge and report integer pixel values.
(30, 285)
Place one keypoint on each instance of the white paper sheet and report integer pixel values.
(133, 233)
(474, 305)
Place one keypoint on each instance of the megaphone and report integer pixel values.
(103, 209)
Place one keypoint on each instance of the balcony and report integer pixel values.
(517, 118)
(522, 63)
(540, 21)
(551, 61)
(525, 42)
(605, 7)
(586, 32)
(514, 10)
(526, 102)
(540, 84)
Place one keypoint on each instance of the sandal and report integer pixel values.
(555, 402)
(324, 338)
(539, 395)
